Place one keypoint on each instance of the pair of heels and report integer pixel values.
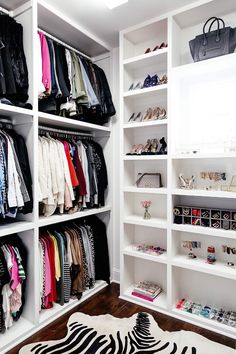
(135, 86)
(136, 117)
(151, 148)
(154, 81)
(163, 45)
(154, 114)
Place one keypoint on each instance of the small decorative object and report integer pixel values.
(211, 256)
(190, 245)
(150, 249)
(186, 183)
(146, 205)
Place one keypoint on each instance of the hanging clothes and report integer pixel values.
(69, 260)
(72, 175)
(13, 265)
(14, 81)
(15, 177)
(73, 86)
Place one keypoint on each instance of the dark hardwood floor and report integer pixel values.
(107, 302)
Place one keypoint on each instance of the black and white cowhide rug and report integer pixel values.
(139, 334)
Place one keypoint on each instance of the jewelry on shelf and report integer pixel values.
(211, 255)
(190, 245)
(149, 249)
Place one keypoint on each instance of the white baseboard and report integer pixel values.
(116, 275)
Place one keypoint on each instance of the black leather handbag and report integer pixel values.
(213, 43)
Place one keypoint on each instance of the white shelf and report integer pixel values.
(205, 231)
(158, 58)
(151, 123)
(57, 24)
(54, 219)
(50, 119)
(200, 265)
(219, 327)
(17, 333)
(15, 227)
(13, 111)
(132, 189)
(203, 156)
(57, 310)
(145, 91)
(159, 302)
(144, 157)
(139, 220)
(11, 5)
(203, 193)
(129, 251)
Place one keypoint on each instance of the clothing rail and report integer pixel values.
(64, 44)
(62, 131)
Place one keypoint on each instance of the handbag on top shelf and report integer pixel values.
(215, 43)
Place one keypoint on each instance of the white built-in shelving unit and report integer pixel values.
(201, 125)
(34, 15)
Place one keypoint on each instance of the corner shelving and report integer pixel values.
(200, 137)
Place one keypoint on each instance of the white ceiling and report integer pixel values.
(106, 24)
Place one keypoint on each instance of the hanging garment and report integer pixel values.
(79, 88)
(72, 175)
(70, 260)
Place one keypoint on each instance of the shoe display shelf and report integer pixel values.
(34, 15)
(199, 100)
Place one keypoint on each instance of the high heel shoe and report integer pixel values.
(131, 117)
(147, 82)
(163, 45)
(155, 113)
(140, 149)
(146, 147)
(162, 114)
(163, 80)
(147, 114)
(133, 150)
(154, 146)
(154, 80)
(155, 48)
(148, 50)
(138, 117)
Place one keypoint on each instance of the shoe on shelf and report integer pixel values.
(138, 86)
(133, 150)
(163, 80)
(155, 48)
(163, 45)
(163, 147)
(155, 80)
(155, 113)
(131, 119)
(147, 147)
(154, 146)
(148, 50)
(147, 114)
(138, 117)
(162, 114)
(131, 87)
(140, 149)
(147, 82)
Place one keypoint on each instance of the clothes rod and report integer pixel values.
(64, 44)
(62, 131)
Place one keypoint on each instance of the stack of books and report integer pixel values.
(147, 290)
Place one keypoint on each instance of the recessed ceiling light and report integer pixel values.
(114, 3)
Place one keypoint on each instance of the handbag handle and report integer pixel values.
(213, 19)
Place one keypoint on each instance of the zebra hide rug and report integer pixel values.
(138, 334)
